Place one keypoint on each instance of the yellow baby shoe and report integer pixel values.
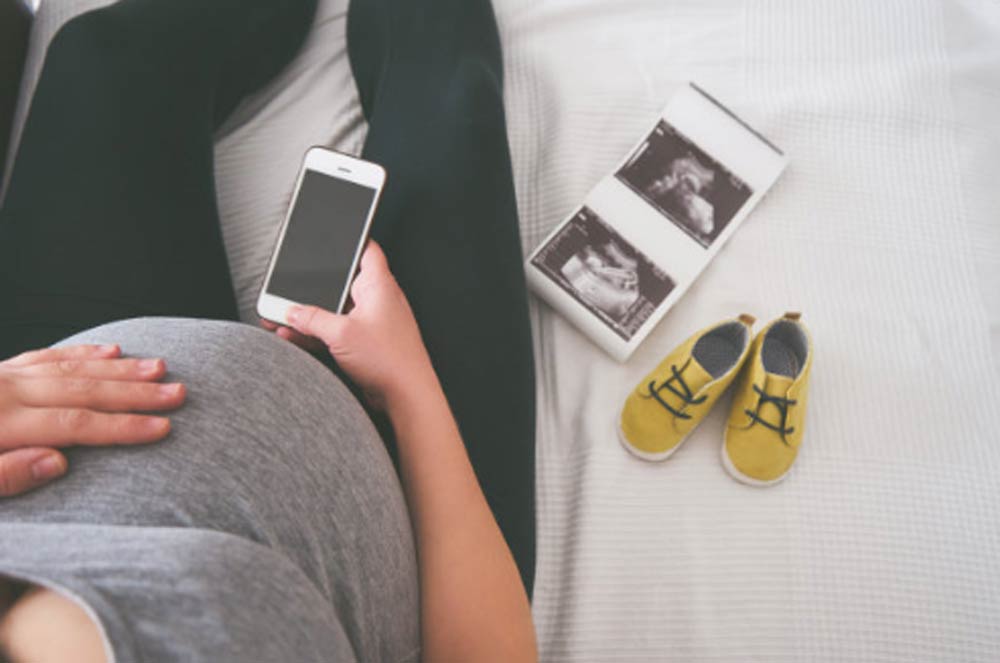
(769, 406)
(669, 402)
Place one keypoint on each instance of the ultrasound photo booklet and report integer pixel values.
(618, 263)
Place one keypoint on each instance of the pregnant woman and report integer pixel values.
(190, 488)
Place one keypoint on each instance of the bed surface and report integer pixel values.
(884, 543)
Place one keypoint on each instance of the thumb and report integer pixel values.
(314, 321)
(24, 469)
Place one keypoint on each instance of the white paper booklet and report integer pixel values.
(642, 236)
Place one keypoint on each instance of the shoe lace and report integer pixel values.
(781, 403)
(682, 391)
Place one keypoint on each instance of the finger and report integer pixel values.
(99, 369)
(56, 354)
(314, 321)
(374, 274)
(24, 469)
(308, 343)
(374, 258)
(104, 395)
(370, 281)
(63, 427)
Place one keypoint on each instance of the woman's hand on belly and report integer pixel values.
(80, 395)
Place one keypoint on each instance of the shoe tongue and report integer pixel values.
(777, 385)
(695, 376)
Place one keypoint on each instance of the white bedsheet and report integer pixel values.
(884, 543)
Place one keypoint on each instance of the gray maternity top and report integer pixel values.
(269, 525)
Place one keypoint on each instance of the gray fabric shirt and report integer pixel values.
(269, 526)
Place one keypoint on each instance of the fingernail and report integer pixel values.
(293, 315)
(149, 365)
(48, 467)
(108, 348)
(170, 389)
(158, 424)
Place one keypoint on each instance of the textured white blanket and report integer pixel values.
(884, 543)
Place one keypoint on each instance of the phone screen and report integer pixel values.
(314, 262)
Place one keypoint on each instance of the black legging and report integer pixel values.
(111, 210)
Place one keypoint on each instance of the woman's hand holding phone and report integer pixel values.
(379, 346)
(377, 342)
(79, 395)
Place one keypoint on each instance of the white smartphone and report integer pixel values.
(323, 235)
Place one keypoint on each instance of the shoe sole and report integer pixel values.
(645, 455)
(744, 479)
